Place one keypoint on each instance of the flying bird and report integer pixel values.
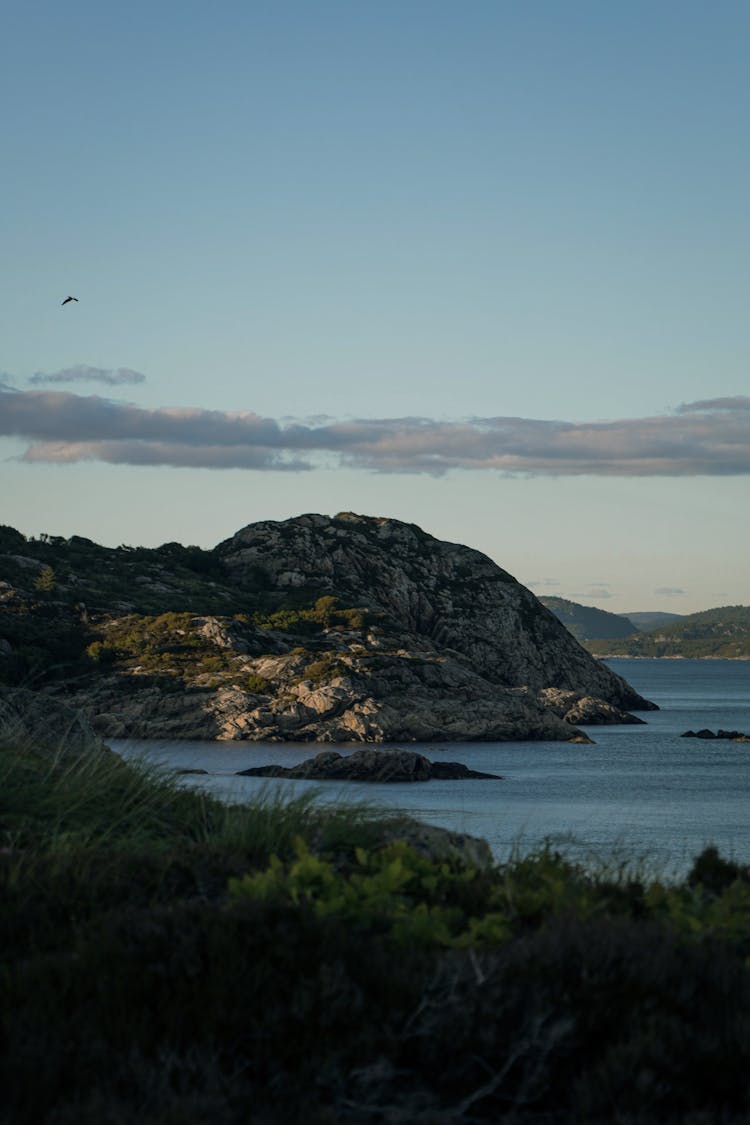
(69, 299)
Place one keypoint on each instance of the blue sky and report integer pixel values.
(481, 266)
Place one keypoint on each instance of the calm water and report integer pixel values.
(640, 790)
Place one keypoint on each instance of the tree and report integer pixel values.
(45, 580)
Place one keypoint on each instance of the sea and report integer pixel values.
(640, 797)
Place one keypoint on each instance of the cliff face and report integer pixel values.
(449, 596)
(344, 629)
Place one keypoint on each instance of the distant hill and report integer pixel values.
(587, 623)
(652, 619)
(721, 632)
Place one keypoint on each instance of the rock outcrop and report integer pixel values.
(575, 707)
(387, 699)
(346, 629)
(47, 726)
(726, 735)
(370, 765)
(450, 595)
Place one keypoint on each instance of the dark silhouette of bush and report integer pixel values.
(171, 959)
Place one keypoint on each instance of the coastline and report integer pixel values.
(623, 656)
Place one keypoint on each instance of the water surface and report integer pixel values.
(640, 791)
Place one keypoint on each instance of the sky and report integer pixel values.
(480, 266)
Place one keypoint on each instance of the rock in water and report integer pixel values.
(369, 765)
(727, 735)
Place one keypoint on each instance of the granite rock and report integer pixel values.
(369, 765)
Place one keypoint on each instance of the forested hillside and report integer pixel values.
(721, 632)
(586, 622)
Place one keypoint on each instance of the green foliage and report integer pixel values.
(149, 580)
(279, 962)
(699, 914)
(10, 539)
(325, 613)
(86, 606)
(259, 685)
(587, 622)
(720, 633)
(327, 668)
(45, 580)
(711, 871)
(417, 900)
(386, 890)
(98, 799)
(167, 644)
(47, 643)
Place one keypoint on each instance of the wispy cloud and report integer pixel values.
(83, 374)
(711, 437)
(732, 402)
(596, 591)
(670, 591)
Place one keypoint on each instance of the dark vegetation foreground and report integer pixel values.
(171, 959)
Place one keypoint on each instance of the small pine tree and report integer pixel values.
(45, 581)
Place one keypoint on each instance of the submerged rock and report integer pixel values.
(727, 735)
(370, 765)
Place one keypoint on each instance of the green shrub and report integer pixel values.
(259, 685)
(325, 613)
(325, 669)
(169, 958)
(387, 890)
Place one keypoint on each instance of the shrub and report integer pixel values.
(258, 685)
(325, 669)
(277, 962)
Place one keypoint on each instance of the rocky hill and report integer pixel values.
(586, 622)
(349, 628)
(723, 632)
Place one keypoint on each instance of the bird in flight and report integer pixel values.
(69, 299)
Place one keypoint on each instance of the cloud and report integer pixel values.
(707, 438)
(670, 591)
(599, 592)
(734, 402)
(84, 374)
(543, 584)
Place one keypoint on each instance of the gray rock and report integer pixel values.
(575, 707)
(454, 649)
(451, 595)
(46, 725)
(438, 843)
(369, 765)
(727, 735)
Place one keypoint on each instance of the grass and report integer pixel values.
(172, 959)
